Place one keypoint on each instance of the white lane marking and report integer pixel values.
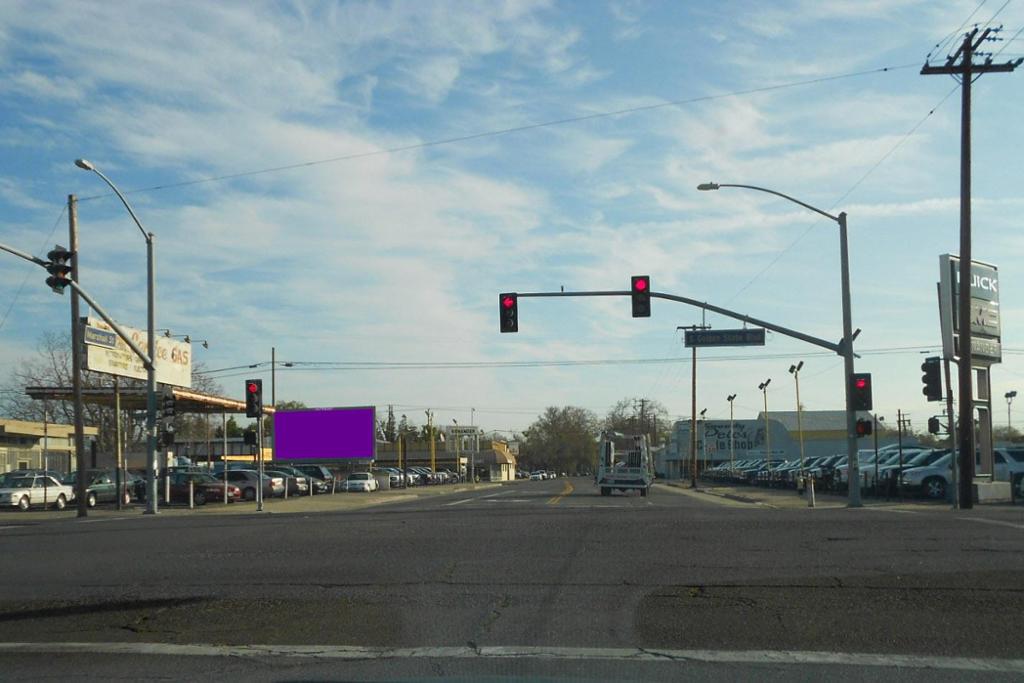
(998, 522)
(684, 657)
(459, 502)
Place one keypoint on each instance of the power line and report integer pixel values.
(507, 131)
(846, 194)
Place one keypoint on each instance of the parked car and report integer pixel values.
(932, 480)
(360, 481)
(296, 485)
(322, 478)
(24, 492)
(101, 487)
(538, 476)
(248, 480)
(205, 487)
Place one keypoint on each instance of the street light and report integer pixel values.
(795, 371)
(1009, 396)
(151, 463)
(763, 386)
(846, 345)
(732, 437)
(703, 438)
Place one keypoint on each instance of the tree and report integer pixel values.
(389, 426)
(562, 439)
(268, 421)
(639, 416)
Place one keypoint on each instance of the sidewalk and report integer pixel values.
(293, 505)
(789, 499)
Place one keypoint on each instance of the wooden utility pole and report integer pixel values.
(76, 362)
(966, 70)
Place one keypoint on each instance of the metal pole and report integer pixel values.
(259, 459)
(76, 361)
(964, 296)
(875, 432)
(152, 505)
(224, 451)
(950, 415)
(899, 475)
(767, 432)
(732, 441)
(693, 420)
(476, 443)
(118, 453)
(851, 416)
(799, 419)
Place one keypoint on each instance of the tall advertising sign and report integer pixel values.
(986, 325)
(106, 352)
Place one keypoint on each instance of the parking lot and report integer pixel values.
(920, 474)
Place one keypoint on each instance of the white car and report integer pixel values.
(538, 476)
(360, 481)
(24, 492)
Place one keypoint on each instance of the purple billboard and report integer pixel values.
(325, 434)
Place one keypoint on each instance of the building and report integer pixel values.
(824, 433)
(42, 445)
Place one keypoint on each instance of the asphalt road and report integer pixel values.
(533, 580)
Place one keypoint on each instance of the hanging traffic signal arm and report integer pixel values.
(146, 360)
(785, 331)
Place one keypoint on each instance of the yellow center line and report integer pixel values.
(567, 488)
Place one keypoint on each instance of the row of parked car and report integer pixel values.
(29, 488)
(917, 471)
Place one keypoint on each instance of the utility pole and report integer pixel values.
(76, 361)
(693, 406)
(967, 70)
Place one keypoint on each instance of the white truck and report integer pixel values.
(624, 463)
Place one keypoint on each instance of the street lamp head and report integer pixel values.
(704, 187)
(703, 411)
(84, 164)
(730, 398)
(1011, 394)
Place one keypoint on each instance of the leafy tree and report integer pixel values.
(562, 439)
(639, 416)
(268, 421)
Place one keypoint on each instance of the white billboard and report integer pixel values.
(106, 352)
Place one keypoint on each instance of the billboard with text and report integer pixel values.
(325, 434)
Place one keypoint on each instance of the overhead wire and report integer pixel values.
(506, 131)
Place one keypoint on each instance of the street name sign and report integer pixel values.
(742, 337)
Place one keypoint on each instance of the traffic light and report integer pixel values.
(860, 390)
(250, 437)
(933, 425)
(863, 427)
(253, 398)
(59, 267)
(932, 378)
(640, 290)
(508, 312)
(167, 404)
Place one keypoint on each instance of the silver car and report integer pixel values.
(24, 492)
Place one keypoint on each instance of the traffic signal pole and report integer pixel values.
(76, 363)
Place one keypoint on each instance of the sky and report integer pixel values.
(355, 182)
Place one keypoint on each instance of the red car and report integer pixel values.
(205, 487)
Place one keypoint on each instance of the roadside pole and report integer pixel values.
(952, 436)
(899, 477)
(118, 452)
(224, 452)
(76, 361)
(259, 460)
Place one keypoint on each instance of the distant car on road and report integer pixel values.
(24, 492)
(538, 476)
(101, 487)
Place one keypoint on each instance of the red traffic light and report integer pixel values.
(860, 382)
(508, 301)
(640, 284)
(252, 387)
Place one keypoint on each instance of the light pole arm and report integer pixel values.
(815, 209)
(147, 360)
(28, 257)
(124, 201)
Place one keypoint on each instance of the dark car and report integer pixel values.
(101, 487)
(205, 487)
